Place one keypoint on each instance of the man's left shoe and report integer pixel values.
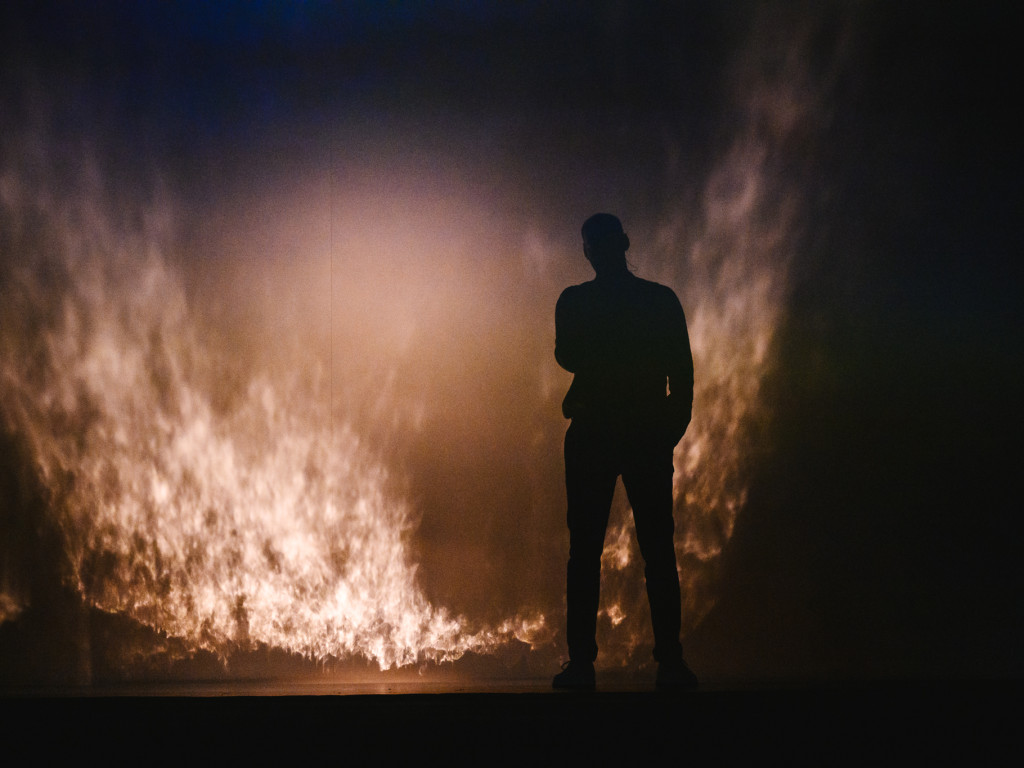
(575, 676)
(675, 676)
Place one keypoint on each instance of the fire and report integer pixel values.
(241, 503)
(252, 522)
(729, 262)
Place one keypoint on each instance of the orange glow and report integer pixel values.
(336, 432)
(728, 262)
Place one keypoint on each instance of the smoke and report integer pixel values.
(222, 513)
(726, 242)
(312, 405)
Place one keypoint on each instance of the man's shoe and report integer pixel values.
(675, 676)
(575, 676)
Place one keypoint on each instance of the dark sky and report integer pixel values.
(879, 534)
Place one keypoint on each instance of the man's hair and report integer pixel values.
(603, 226)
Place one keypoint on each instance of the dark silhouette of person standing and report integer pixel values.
(625, 341)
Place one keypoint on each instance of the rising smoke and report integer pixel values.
(321, 414)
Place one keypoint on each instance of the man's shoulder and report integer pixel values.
(584, 287)
(655, 290)
(578, 291)
(592, 290)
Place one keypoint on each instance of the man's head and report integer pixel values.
(604, 243)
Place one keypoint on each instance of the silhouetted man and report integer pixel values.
(630, 401)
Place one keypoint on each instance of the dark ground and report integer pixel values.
(865, 724)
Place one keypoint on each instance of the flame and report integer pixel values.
(729, 260)
(227, 524)
(221, 499)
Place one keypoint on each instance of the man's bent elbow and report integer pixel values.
(565, 360)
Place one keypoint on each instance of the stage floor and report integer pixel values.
(521, 722)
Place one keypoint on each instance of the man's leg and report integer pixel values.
(648, 482)
(590, 476)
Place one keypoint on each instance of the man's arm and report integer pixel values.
(680, 370)
(569, 337)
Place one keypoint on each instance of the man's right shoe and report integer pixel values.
(674, 675)
(575, 676)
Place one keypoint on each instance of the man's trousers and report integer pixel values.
(594, 459)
